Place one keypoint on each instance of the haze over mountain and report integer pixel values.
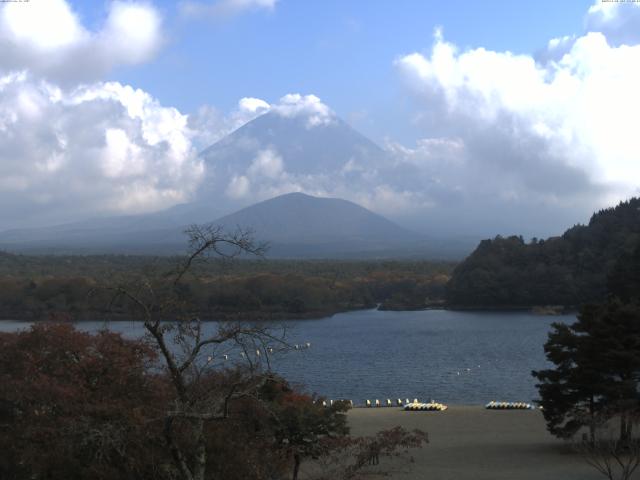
(311, 150)
(310, 144)
(475, 136)
(279, 152)
(295, 225)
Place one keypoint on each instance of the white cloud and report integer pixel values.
(224, 8)
(238, 187)
(209, 125)
(618, 21)
(553, 131)
(103, 148)
(309, 106)
(47, 38)
(267, 164)
(253, 106)
(265, 173)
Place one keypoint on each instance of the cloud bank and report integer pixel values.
(557, 131)
(71, 145)
(100, 148)
(47, 38)
(513, 143)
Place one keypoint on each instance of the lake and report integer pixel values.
(452, 357)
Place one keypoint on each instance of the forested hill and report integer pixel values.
(567, 270)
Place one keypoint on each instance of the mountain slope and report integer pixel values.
(274, 153)
(299, 224)
(305, 149)
(295, 225)
(567, 270)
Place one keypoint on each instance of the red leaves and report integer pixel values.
(69, 397)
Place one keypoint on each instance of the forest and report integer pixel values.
(568, 270)
(42, 287)
(506, 272)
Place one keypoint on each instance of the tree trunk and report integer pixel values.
(625, 430)
(176, 453)
(592, 424)
(200, 456)
(296, 466)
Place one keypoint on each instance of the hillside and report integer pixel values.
(296, 224)
(568, 270)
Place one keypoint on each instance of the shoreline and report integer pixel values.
(253, 316)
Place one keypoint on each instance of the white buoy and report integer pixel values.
(258, 353)
(270, 350)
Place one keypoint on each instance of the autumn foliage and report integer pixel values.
(75, 405)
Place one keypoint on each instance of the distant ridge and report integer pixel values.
(569, 270)
(295, 225)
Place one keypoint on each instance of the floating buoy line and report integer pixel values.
(258, 352)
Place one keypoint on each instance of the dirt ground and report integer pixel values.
(469, 442)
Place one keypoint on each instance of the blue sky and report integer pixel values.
(341, 51)
(503, 116)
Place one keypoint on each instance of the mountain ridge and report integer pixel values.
(295, 224)
(570, 270)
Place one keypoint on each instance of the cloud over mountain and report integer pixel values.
(552, 131)
(104, 147)
(72, 145)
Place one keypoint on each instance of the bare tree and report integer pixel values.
(613, 457)
(192, 351)
(351, 458)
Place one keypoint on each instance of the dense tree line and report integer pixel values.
(37, 287)
(569, 270)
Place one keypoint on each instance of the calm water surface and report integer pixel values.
(452, 357)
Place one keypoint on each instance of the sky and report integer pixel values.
(520, 116)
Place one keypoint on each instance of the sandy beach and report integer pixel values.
(469, 442)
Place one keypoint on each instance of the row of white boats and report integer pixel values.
(432, 405)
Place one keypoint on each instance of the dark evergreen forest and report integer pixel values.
(569, 270)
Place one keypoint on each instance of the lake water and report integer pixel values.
(452, 357)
